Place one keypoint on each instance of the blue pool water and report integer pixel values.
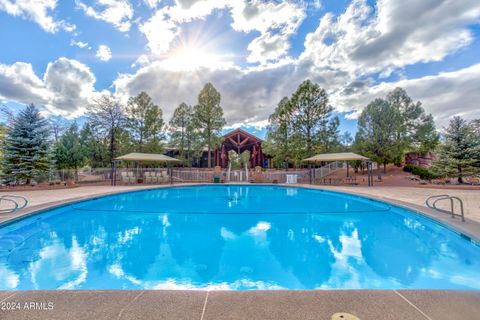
(234, 237)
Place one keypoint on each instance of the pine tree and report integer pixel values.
(208, 117)
(145, 123)
(69, 151)
(459, 155)
(417, 131)
(311, 113)
(3, 132)
(377, 136)
(387, 128)
(278, 142)
(96, 150)
(26, 147)
(181, 120)
(302, 125)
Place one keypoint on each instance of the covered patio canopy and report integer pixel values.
(141, 157)
(342, 156)
(146, 157)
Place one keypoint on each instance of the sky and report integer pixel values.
(61, 55)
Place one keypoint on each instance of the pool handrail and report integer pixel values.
(452, 206)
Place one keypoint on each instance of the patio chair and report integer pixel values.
(156, 177)
(125, 178)
(131, 177)
(166, 176)
(148, 177)
(163, 176)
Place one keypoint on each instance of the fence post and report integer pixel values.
(114, 173)
(310, 172)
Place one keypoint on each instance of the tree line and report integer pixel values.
(33, 146)
(301, 126)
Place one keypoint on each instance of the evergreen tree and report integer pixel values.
(194, 145)
(302, 125)
(417, 130)
(459, 155)
(377, 132)
(145, 123)
(3, 133)
(26, 147)
(95, 149)
(69, 150)
(389, 127)
(328, 136)
(181, 121)
(208, 117)
(311, 113)
(346, 139)
(279, 133)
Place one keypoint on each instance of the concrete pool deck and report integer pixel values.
(315, 304)
(251, 305)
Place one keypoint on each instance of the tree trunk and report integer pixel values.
(112, 142)
(384, 168)
(379, 171)
(209, 157)
(460, 178)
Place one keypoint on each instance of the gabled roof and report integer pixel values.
(243, 133)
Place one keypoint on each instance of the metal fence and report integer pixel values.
(280, 176)
(127, 176)
(192, 175)
(327, 169)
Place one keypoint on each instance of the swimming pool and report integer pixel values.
(236, 237)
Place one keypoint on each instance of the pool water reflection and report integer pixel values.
(234, 237)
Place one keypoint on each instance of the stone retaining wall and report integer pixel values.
(424, 160)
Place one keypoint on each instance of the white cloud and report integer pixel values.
(103, 53)
(364, 40)
(165, 25)
(141, 61)
(20, 83)
(67, 86)
(444, 95)
(247, 96)
(344, 55)
(316, 4)
(38, 11)
(71, 84)
(79, 44)
(160, 32)
(119, 13)
(152, 3)
(267, 47)
(276, 22)
(336, 57)
(187, 10)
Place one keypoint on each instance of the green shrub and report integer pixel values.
(422, 172)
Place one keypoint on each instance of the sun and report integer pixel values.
(192, 57)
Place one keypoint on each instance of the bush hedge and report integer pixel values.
(422, 172)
